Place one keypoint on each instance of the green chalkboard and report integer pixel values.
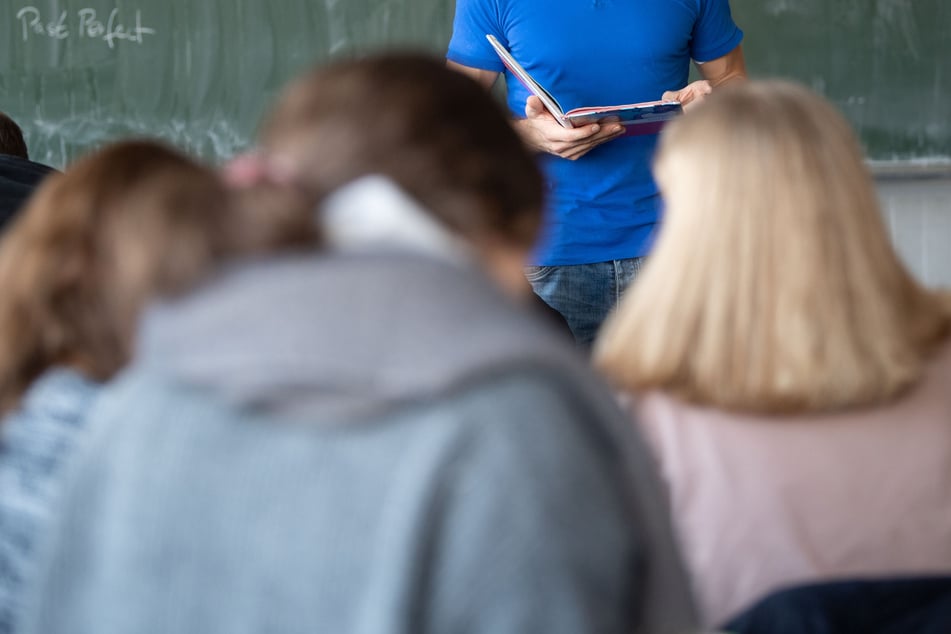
(885, 63)
(199, 73)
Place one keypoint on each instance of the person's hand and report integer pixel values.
(542, 132)
(690, 95)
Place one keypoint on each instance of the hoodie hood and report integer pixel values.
(341, 334)
(396, 310)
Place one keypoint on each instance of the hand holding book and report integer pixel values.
(541, 132)
(637, 118)
(691, 94)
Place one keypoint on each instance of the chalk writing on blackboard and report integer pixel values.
(86, 24)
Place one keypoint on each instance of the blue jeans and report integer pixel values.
(584, 294)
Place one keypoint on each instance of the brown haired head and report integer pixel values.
(773, 286)
(436, 133)
(11, 138)
(128, 222)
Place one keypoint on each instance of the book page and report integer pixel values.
(529, 82)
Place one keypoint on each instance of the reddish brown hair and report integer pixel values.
(133, 220)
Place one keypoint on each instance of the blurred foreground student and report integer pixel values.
(792, 376)
(75, 269)
(378, 438)
(19, 176)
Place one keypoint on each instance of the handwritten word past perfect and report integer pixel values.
(87, 23)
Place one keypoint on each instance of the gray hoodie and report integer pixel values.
(376, 444)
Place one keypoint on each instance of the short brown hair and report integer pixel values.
(134, 219)
(773, 286)
(436, 133)
(11, 138)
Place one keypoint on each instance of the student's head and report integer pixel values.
(11, 138)
(773, 285)
(133, 220)
(434, 132)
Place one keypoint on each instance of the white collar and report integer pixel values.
(373, 212)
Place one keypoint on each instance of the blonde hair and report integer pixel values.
(773, 286)
(121, 225)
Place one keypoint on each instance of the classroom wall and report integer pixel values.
(918, 215)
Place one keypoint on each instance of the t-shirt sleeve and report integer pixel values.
(475, 19)
(715, 33)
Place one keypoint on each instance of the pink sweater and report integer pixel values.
(761, 503)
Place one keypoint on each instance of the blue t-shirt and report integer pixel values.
(593, 53)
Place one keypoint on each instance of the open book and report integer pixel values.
(647, 117)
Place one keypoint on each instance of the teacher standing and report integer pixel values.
(603, 204)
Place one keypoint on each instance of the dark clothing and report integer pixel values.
(18, 178)
(894, 606)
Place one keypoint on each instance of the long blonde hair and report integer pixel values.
(773, 286)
